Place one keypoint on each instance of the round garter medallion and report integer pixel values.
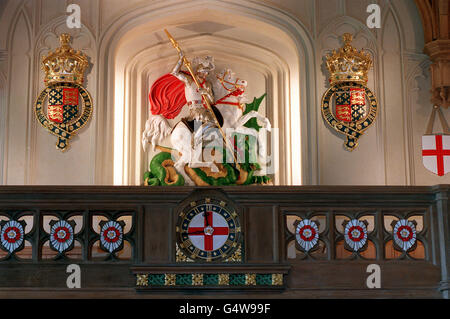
(404, 234)
(111, 235)
(12, 235)
(307, 234)
(61, 235)
(355, 234)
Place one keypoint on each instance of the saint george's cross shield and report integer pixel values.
(350, 104)
(210, 232)
(436, 153)
(62, 104)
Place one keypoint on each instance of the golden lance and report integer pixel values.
(208, 105)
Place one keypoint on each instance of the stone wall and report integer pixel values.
(278, 46)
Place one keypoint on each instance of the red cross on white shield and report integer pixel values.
(436, 153)
(208, 232)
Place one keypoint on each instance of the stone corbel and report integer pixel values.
(439, 52)
(435, 19)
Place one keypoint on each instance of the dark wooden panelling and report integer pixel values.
(353, 275)
(259, 243)
(264, 229)
(157, 233)
(54, 275)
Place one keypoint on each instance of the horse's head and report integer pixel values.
(228, 80)
(229, 94)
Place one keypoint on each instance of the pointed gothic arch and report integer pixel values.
(20, 19)
(155, 18)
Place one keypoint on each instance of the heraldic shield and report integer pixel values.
(436, 147)
(64, 106)
(436, 153)
(349, 106)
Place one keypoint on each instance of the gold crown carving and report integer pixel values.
(64, 64)
(349, 64)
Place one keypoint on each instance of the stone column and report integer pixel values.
(443, 217)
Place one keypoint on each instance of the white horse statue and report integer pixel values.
(231, 106)
(230, 98)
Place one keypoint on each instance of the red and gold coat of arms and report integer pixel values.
(64, 106)
(349, 106)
